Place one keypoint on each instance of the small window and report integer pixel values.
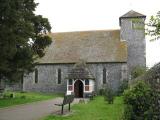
(22, 78)
(70, 82)
(87, 82)
(59, 76)
(36, 76)
(104, 75)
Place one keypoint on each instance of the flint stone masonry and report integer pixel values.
(47, 77)
(135, 41)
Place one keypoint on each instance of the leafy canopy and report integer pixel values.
(138, 101)
(138, 71)
(154, 26)
(23, 37)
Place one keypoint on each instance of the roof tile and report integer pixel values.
(91, 46)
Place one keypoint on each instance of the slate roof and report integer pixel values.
(80, 71)
(132, 14)
(91, 46)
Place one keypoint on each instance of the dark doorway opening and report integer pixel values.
(78, 89)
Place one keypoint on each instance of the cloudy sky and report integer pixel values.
(79, 15)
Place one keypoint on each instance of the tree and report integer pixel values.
(154, 26)
(23, 37)
(138, 102)
(138, 71)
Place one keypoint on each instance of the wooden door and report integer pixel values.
(78, 89)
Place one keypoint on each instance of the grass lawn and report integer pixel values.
(21, 98)
(98, 109)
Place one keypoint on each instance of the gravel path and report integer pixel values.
(32, 111)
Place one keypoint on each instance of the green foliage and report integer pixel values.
(8, 95)
(138, 101)
(154, 112)
(152, 77)
(128, 113)
(123, 86)
(154, 26)
(109, 95)
(101, 92)
(16, 98)
(23, 97)
(137, 71)
(12, 95)
(23, 37)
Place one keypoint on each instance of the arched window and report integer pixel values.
(104, 75)
(22, 78)
(36, 76)
(59, 76)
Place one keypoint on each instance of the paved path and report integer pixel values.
(32, 111)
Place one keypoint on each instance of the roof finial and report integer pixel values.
(131, 5)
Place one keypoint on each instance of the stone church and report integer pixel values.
(85, 61)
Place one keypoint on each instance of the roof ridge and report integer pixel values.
(86, 31)
(131, 14)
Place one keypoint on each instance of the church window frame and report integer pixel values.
(104, 76)
(86, 82)
(59, 79)
(70, 85)
(87, 85)
(36, 76)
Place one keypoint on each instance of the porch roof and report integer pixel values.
(80, 71)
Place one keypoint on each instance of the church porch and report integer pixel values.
(80, 87)
(80, 81)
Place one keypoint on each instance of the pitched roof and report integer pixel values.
(132, 14)
(91, 46)
(80, 71)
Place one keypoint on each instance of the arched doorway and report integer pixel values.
(78, 89)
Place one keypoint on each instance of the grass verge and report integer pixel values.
(27, 97)
(98, 109)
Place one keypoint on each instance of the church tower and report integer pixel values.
(133, 31)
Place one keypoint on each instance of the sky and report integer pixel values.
(81, 15)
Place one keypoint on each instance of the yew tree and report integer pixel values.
(23, 37)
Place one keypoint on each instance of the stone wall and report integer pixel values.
(47, 76)
(14, 87)
(132, 30)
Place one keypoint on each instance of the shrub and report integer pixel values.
(23, 97)
(23, 91)
(128, 112)
(137, 71)
(6, 95)
(12, 95)
(101, 92)
(123, 86)
(154, 112)
(109, 95)
(138, 100)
